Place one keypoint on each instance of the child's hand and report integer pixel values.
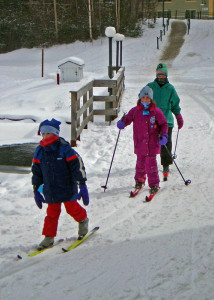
(120, 124)
(163, 139)
(38, 199)
(83, 194)
(180, 121)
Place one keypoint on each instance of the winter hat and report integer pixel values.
(146, 91)
(161, 70)
(49, 127)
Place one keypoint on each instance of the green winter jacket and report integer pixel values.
(167, 100)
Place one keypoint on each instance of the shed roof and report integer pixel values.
(71, 59)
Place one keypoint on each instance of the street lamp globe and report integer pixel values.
(119, 37)
(110, 32)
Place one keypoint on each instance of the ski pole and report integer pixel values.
(187, 182)
(174, 156)
(105, 186)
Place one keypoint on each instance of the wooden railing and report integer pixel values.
(82, 103)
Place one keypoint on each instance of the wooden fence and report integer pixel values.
(82, 101)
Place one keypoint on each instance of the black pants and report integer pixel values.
(165, 158)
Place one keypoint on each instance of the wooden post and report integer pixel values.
(73, 119)
(91, 106)
(57, 78)
(85, 112)
(78, 119)
(115, 103)
(108, 105)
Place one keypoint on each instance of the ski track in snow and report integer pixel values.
(162, 250)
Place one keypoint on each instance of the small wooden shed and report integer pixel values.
(71, 69)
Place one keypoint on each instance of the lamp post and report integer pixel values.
(121, 46)
(119, 39)
(163, 13)
(110, 33)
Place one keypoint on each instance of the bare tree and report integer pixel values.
(100, 14)
(56, 22)
(76, 7)
(117, 9)
(133, 8)
(90, 20)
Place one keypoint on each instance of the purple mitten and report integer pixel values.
(180, 121)
(163, 139)
(83, 194)
(120, 124)
(38, 199)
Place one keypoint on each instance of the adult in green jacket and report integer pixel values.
(168, 101)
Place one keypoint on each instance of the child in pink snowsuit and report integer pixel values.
(149, 132)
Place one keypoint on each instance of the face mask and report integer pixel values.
(145, 104)
(161, 81)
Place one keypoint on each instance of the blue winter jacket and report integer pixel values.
(60, 168)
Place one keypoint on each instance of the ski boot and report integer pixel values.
(138, 187)
(153, 191)
(46, 243)
(165, 173)
(83, 228)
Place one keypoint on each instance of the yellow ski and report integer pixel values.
(78, 242)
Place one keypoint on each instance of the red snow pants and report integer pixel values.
(147, 165)
(53, 212)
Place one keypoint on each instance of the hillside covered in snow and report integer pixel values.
(162, 250)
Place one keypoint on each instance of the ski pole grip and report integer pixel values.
(123, 117)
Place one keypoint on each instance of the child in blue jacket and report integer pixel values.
(60, 170)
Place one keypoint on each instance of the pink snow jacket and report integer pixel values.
(146, 129)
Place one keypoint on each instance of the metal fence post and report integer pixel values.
(188, 25)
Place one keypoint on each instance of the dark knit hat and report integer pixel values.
(161, 70)
(49, 127)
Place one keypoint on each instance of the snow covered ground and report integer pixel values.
(161, 250)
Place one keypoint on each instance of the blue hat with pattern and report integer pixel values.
(49, 127)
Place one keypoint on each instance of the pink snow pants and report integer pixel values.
(147, 165)
(53, 212)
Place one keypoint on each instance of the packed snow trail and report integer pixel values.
(175, 40)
